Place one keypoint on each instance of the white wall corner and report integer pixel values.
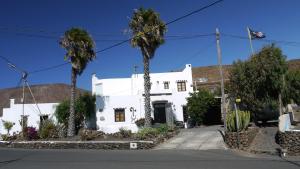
(12, 102)
(94, 77)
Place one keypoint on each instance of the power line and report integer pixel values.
(171, 37)
(12, 65)
(127, 40)
(178, 66)
(288, 43)
(168, 23)
(49, 68)
(196, 11)
(176, 37)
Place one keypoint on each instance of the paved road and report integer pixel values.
(158, 159)
(204, 138)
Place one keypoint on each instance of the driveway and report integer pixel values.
(204, 138)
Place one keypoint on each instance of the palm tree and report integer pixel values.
(148, 34)
(80, 50)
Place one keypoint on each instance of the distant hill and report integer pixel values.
(294, 64)
(212, 75)
(44, 93)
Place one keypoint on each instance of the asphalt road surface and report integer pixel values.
(154, 159)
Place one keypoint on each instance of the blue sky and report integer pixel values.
(30, 30)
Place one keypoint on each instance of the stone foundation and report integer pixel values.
(245, 138)
(104, 145)
(289, 141)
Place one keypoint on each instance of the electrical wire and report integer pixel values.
(288, 43)
(178, 66)
(127, 40)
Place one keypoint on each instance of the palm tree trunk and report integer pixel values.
(71, 122)
(147, 86)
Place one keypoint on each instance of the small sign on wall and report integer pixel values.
(133, 145)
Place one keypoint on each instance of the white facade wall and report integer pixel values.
(127, 93)
(14, 112)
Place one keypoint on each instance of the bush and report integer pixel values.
(140, 122)
(32, 133)
(147, 133)
(84, 109)
(6, 137)
(163, 128)
(86, 134)
(244, 120)
(8, 125)
(200, 106)
(125, 133)
(258, 81)
(48, 130)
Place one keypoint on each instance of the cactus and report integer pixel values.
(244, 120)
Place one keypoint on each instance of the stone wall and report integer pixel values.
(290, 141)
(104, 145)
(245, 138)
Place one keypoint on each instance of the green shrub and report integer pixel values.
(84, 109)
(125, 133)
(200, 105)
(48, 130)
(86, 134)
(147, 133)
(8, 125)
(244, 120)
(163, 128)
(140, 122)
(6, 137)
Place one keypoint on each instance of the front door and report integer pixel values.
(159, 112)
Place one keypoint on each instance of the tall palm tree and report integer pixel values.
(80, 50)
(148, 34)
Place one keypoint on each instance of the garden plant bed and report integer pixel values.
(245, 138)
(105, 145)
(93, 140)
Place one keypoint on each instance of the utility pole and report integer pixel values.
(135, 67)
(23, 102)
(280, 96)
(223, 111)
(250, 40)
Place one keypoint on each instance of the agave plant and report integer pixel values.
(243, 119)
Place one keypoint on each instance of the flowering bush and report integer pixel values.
(32, 133)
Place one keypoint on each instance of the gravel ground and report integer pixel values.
(264, 142)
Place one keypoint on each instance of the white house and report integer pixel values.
(15, 112)
(120, 101)
(48, 96)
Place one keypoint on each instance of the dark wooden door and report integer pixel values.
(159, 113)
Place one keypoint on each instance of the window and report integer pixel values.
(43, 118)
(98, 89)
(166, 85)
(181, 87)
(119, 115)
